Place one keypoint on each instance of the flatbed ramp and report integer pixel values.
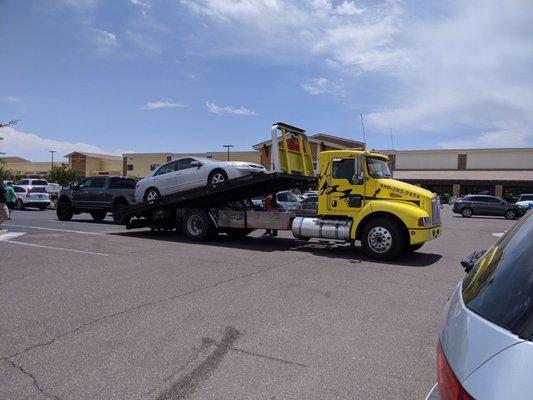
(219, 194)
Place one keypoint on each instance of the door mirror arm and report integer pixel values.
(470, 260)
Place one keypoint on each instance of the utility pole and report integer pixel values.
(228, 146)
(52, 152)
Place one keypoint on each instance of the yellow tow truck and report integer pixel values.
(357, 200)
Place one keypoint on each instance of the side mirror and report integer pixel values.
(469, 261)
(197, 163)
(358, 176)
(74, 186)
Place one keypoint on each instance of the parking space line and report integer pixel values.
(55, 229)
(55, 248)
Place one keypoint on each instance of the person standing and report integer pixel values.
(271, 203)
(10, 199)
(4, 212)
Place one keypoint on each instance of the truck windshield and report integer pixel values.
(378, 168)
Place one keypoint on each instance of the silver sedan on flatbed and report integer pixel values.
(189, 173)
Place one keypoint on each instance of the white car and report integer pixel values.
(525, 201)
(52, 189)
(31, 196)
(189, 173)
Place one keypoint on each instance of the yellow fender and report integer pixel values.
(407, 212)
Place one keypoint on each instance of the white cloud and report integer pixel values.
(154, 105)
(216, 109)
(11, 99)
(36, 148)
(140, 3)
(104, 40)
(293, 31)
(317, 86)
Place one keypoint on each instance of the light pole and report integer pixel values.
(228, 146)
(52, 152)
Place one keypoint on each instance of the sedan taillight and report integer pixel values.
(28, 192)
(449, 386)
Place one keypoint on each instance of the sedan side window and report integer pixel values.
(185, 163)
(168, 167)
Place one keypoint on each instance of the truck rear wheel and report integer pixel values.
(99, 215)
(382, 239)
(64, 211)
(198, 227)
(118, 217)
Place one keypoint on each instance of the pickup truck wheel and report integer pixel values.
(382, 239)
(64, 211)
(117, 215)
(413, 247)
(198, 227)
(19, 205)
(511, 214)
(99, 215)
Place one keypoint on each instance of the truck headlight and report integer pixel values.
(424, 221)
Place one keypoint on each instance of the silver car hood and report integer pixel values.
(469, 340)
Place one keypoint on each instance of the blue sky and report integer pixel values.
(184, 75)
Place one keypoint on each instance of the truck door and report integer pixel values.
(80, 195)
(95, 193)
(346, 186)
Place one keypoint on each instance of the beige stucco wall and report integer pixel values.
(433, 160)
(141, 163)
(29, 168)
(113, 167)
(500, 159)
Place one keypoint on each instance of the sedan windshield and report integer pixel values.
(378, 168)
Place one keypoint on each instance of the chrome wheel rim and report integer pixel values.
(467, 212)
(195, 225)
(152, 195)
(217, 178)
(510, 214)
(379, 239)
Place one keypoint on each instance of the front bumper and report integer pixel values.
(421, 235)
(434, 394)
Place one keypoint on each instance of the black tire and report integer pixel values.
(217, 176)
(19, 204)
(99, 215)
(42, 208)
(467, 212)
(198, 227)
(413, 247)
(237, 233)
(383, 239)
(511, 214)
(152, 194)
(118, 219)
(64, 211)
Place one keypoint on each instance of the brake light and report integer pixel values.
(28, 192)
(449, 386)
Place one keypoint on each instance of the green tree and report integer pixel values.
(4, 173)
(63, 175)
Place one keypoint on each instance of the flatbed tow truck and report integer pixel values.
(357, 200)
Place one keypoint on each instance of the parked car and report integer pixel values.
(310, 203)
(189, 173)
(287, 200)
(486, 205)
(31, 196)
(485, 348)
(525, 200)
(52, 189)
(97, 196)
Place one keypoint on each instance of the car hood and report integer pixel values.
(469, 340)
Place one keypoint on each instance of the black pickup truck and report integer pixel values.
(97, 196)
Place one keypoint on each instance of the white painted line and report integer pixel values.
(11, 235)
(498, 234)
(55, 229)
(56, 248)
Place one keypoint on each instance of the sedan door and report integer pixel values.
(191, 176)
(167, 179)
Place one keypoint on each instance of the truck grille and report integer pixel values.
(435, 212)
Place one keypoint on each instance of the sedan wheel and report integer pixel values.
(467, 212)
(151, 195)
(19, 205)
(511, 214)
(217, 176)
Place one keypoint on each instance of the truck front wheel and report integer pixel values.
(64, 211)
(118, 217)
(382, 239)
(198, 227)
(99, 215)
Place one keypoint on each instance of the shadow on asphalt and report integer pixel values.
(269, 244)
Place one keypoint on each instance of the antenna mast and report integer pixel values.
(363, 126)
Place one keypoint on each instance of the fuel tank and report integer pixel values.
(309, 227)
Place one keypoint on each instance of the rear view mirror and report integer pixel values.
(469, 261)
(358, 176)
(197, 163)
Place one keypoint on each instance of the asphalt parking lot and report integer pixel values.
(92, 311)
